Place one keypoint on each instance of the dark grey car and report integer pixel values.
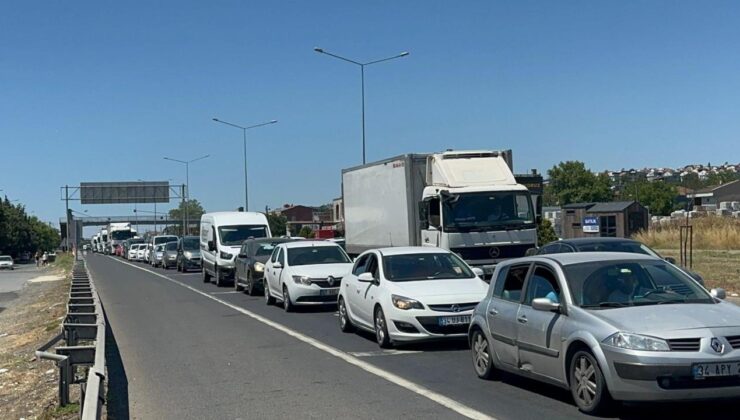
(188, 253)
(250, 263)
(169, 255)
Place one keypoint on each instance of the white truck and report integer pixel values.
(94, 242)
(102, 240)
(468, 202)
(117, 233)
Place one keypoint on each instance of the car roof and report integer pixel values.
(570, 258)
(305, 244)
(577, 241)
(401, 250)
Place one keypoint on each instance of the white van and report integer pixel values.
(221, 237)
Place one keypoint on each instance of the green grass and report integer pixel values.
(56, 412)
(64, 261)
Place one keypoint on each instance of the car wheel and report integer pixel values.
(344, 323)
(250, 284)
(206, 276)
(287, 304)
(587, 384)
(381, 330)
(269, 300)
(481, 350)
(238, 287)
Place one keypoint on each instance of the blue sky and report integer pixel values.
(101, 91)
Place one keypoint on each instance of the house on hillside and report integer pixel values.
(709, 196)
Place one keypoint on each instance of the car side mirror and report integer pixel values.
(530, 252)
(366, 278)
(277, 264)
(545, 304)
(719, 293)
(479, 272)
(211, 246)
(242, 256)
(670, 260)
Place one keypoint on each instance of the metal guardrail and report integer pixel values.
(83, 333)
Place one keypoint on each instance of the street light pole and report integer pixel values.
(186, 195)
(244, 134)
(362, 82)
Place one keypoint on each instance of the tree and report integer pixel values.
(545, 232)
(306, 232)
(194, 211)
(571, 182)
(21, 233)
(278, 223)
(657, 195)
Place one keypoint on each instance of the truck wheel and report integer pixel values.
(217, 276)
(206, 276)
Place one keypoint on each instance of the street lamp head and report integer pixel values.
(318, 50)
(273, 121)
(403, 54)
(215, 119)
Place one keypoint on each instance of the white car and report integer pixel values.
(6, 262)
(141, 252)
(147, 252)
(305, 273)
(133, 251)
(410, 294)
(155, 259)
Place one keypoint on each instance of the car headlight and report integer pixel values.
(225, 255)
(302, 280)
(259, 267)
(631, 341)
(405, 303)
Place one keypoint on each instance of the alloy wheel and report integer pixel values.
(585, 381)
(481, 355)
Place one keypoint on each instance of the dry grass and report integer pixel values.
(718, 268)
(710, 233)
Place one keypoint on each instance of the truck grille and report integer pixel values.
(492, 252)
(684, 344)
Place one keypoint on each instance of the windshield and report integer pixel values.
(164, 239)
(121, 235)
(171, 246)
(607, 284)
(414, 267)
(616, 246)
(6, 258)
(311, 255)
(487, 211)
(265, 250)
(191, 243)
(105, 238)
(235, 235)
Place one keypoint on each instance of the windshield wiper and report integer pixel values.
(661, 291)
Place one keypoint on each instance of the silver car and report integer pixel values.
(608, 326)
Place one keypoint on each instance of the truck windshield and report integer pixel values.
(235, 235)
(487, 211)
(121, 235)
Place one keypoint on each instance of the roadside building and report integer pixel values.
(712, 196)
(619, 219)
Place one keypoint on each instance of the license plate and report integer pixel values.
(712, 370)
(329, 292)
(454, 320)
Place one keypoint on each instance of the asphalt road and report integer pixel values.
(12, 281)
(184, 349)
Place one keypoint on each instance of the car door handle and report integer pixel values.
(493, 311)
(522, 319)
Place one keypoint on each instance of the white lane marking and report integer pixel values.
(440, 399)
(383, 353)
(225, 293)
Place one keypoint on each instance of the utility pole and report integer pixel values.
(66, 201)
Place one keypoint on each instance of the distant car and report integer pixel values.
(169, 255)
(141, 252)
(133, 251)
(250, 263)
(607, 245)
(148, 253)
(156, 256)
(6, 262)
(305, 273)
(188, 253)
(408, 294)
(608, 325)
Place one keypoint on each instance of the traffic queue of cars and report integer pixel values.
(613, 323)
(166, 251)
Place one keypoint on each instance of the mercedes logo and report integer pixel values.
(330, 280)
(455, 308)
(494, 252)
(717, 345)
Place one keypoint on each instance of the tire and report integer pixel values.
(251, 290)
(587, 384)
(217, 277)
(482, 359)
(269, 300)
(238, 287)
(287, 304)
(381, 330)
(344, 322)
(205, 275)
